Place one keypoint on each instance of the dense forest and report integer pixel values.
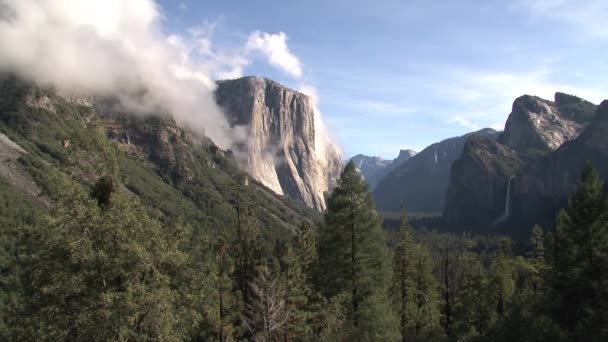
(101, 266)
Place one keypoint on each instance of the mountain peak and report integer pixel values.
(543, 125)
(285, 150)
(405, 154)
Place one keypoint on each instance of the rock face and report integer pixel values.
(374, 169)
(286, 147)
(538, 124)
(421, 183)
(544, 147)
(479, 182)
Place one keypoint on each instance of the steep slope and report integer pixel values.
(546, 183)
(286, 148)
(479, 182)
(543, 149)
(374, 169)
(177, 175)
(420, 184)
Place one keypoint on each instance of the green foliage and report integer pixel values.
(353, 257)
(403, 289)
(159, 238)
(578, 281)
(101, 274)
(16, 212)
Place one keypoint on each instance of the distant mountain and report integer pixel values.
(374, 169)
(285, 148)
(421, 183)
(532, 167)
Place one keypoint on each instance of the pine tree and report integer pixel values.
(537, 264)
(537, 244)
(104, 272)
(246, 252)
(579, 241)
(426, 295)
(296, 259)
(403, 289)
(222, 300)
(473, 315)
(502, 283)
(353, 257)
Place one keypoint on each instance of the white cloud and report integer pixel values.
(118, 48)
(115, 48)
(274, 48)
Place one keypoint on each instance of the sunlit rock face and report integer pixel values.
(285, 145)
(542, 125)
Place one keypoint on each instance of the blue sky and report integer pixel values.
(391, 74)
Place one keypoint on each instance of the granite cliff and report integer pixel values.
(286, 147)
(542, 150)
(542, 125)
(420, 184)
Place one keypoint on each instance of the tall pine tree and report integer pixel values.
(577, 276)
(353, 258)
(403, 289)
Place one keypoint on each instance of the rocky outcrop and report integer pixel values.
(285, 146)
(479, 182)
(374, 169)
(536, 124)
(544, 148)
(420, 184)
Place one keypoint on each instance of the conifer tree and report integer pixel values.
(101, 271)
(577, 274)
(296, 258)
(426, 295)
(222, 304)
(502, 283)
(353, 256)
(403, 289)
(537, 244)
(247, 254)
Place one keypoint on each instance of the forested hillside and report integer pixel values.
(100, 264)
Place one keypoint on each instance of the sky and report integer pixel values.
(389, 74)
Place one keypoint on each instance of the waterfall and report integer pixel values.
(507, 212)
(508, 198)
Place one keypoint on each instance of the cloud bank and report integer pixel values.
(117, 48)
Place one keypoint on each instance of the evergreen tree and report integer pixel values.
(580, 239)
(502, 283)
(353, 257)
(426, 295)
(247, 254)
(472, 312)
(222, 300)
(102, 273)
(296, 260)
(537, 244)
(403, 289)
(537, 263)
